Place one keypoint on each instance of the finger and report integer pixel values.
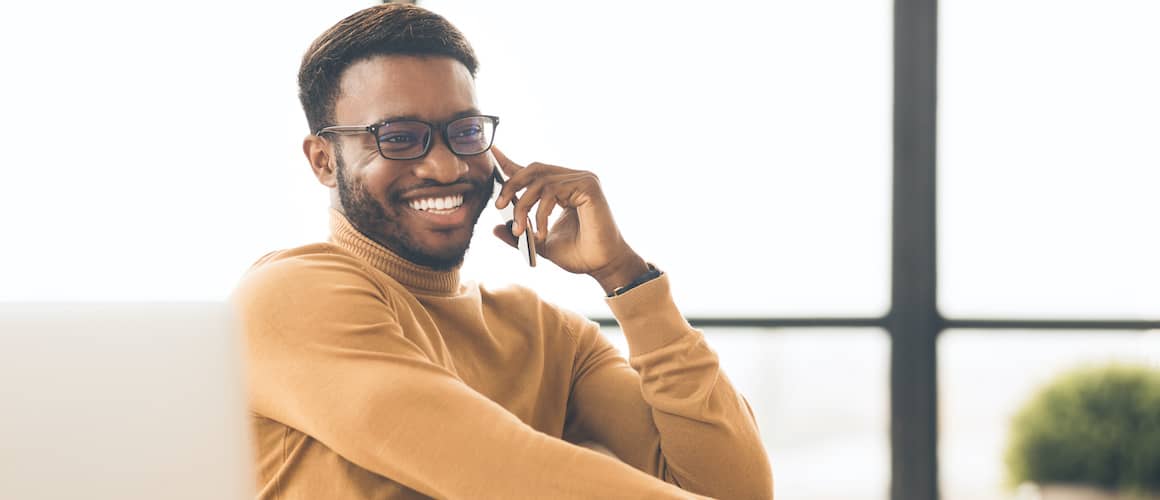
(523, 207)
(508, 167)
(547, 204)
(567, 189)
(514, 184)
(504, 232)
(578, 189)
(527, 175)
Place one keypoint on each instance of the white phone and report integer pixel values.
(525, 243)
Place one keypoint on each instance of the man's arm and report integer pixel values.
(690, 427)
(327, 356)
(673, 413)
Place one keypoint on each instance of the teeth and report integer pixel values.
(440, 204)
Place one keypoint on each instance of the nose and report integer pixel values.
(441, 165)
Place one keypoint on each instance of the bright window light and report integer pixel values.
(154, 148)
(1048, 165)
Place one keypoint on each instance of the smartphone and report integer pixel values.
(525, 243)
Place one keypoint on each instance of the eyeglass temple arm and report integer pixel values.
(343, 130)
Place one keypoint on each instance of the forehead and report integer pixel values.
(430, 88)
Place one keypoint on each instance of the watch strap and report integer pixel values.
(651, 274)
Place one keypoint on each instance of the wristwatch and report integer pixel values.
(649, 275)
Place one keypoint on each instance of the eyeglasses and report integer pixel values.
(411, 139)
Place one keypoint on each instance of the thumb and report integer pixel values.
(504, 232)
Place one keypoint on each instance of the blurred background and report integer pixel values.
(778, 159)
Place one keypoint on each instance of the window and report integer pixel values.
(986, 376)
(1047, 167)
(1047, 159)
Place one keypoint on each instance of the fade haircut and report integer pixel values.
(387, 29)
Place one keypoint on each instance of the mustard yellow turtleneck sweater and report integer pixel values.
(371, 377)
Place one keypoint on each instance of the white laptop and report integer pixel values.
(122, 401)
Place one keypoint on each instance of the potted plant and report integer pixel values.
(1092, 433)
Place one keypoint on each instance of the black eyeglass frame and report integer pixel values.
(442, 127)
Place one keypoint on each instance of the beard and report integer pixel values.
(370, 218)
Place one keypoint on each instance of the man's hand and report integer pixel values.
(584, 240)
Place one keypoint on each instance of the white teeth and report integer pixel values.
(440, 204)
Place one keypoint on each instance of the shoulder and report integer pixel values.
(305, 268)
(318, 282)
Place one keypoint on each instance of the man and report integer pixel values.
(375, 373)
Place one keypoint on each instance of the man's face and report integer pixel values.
(393, 202)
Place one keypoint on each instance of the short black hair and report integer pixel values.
(387, 29)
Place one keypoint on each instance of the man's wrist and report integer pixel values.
(652, 274)
(623, 273)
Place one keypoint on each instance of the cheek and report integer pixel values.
(481, 166)
(380, 181)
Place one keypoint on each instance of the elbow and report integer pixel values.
(747, 483)
(764, 481)
(758, 484)
(758, 487)
(768, 485)
(754, 477)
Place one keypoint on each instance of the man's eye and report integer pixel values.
(468, 131)
(398, 138)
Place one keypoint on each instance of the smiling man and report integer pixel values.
(375, 373)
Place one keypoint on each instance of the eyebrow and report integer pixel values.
(456, 116)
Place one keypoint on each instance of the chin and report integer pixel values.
(441, 249)
(443, 257)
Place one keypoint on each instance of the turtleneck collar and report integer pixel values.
(416, 278)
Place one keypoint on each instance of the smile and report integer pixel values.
(442, 205)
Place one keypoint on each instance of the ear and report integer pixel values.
(323, 164)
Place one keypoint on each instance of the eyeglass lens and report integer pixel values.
(410, 139)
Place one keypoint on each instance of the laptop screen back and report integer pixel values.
(122, 401)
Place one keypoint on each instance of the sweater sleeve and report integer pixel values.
(328, 355)
(670, 411)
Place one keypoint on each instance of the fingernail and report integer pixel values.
(515, 228)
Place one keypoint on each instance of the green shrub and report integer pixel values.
(1097, 425)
